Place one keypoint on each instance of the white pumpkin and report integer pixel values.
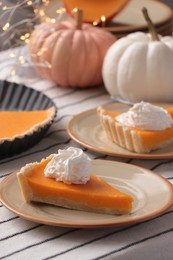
(136, 68)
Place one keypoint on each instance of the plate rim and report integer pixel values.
(129, 28)
(103, 224)
(126, 154)
(132, 29)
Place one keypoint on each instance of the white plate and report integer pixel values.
(85, 129)
(152, 196)
(132, 14)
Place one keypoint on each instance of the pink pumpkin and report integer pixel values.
(69, 56)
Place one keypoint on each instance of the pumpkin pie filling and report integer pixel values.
(96, 195)
(18, 123)
(148, 139)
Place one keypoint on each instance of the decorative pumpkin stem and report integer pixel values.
(79, 18)
(151, 26)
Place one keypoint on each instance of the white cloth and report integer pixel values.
(22, 239)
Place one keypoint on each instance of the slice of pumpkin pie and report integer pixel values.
(64, 180)
(145, 127)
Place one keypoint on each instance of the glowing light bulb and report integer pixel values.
(41, 13)
(13, 72)
(103, 20)
(96, 22)
(22, 37)
(12, 55)
(29, 3)
(52, 20)
(5, 27)
(60, 11)
(21, 59)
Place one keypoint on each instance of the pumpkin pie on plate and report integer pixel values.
(145, 127)
(64, 180)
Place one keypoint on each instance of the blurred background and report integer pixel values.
(168, 2)
(18, 19)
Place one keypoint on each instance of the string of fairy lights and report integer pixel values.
(17, 21)
(16, 31)
(36, 11)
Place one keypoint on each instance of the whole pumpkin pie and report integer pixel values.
(16, 124)
(145, 127)
(64, 180)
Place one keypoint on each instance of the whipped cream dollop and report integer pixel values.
(146, 116)
(69, 166)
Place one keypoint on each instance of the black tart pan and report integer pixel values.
(18, 97)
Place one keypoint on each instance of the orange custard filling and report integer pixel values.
(16, 123)
(96, 193)
(150, 138)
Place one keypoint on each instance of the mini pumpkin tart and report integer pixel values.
(64, 180)
(16, 124)
(145, 127)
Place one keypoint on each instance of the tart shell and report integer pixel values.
(125, 136)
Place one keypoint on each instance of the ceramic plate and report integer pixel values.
(149, 200)
(85, 129)
(130, 18)
(18, 97)
(132, 15)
